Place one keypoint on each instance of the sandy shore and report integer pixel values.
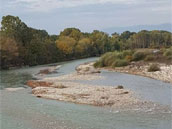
(140, 68)
(63, 88)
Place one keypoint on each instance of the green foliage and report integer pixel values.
(138, 55)
(169, 58)
(120, 63)
(113, 59)
(150, 39)
(84, 47)
(72, 32)
(66, 45)
(126, 35)
(33, 46)
(168, 52)
(149, 58)
(129, 58)
(98, 64)
(23, 45)
(153, 68)
(8, 52)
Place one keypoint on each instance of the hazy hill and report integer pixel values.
(167, 27)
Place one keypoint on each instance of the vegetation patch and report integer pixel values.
(168, 53)
(21, 45)
(124, 58)
(120, 63)
(149, 58)
(154, 68)
(119, 87)
(138, 55)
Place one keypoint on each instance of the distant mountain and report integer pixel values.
(137, 28)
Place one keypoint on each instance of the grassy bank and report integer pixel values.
(124, 58)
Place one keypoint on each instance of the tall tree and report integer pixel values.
(8, 52)
(66, 45)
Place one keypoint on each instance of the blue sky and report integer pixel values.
(87, 15)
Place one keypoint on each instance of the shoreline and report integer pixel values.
(63, 88)
(50, 63)
(140, 69)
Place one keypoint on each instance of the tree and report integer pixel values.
(126, 35)
(8, 52)
(72, 32)
(23, 45)
(13, 27)
(83, 47)
(100, 41)
(66, 45)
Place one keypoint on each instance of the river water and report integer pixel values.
(20, 110)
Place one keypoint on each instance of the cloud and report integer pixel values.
(48, 5)
(55, 15)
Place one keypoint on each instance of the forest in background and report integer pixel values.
(21, 45)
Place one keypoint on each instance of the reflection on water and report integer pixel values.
(21, 110)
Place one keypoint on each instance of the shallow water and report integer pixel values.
(21, 110)
(146, 88)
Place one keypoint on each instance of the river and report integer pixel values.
(20, 110)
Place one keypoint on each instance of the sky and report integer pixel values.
(87, 15)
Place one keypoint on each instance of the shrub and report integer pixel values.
(105, 59)
(98, 64)
(127, 53)
(120, 55)
(119, 87)
(139, 56)
(123, 54)
(115, 59)
(120, 63)
(153, 68)
(168, 52)
(111, 58)
(129, 58)
(149, 58)
(169, 58)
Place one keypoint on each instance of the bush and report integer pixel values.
(169, 58)
(119, 87)
(153, 68)
(168, 52)
(127, 53)
(98, 64)
(107, 58)
(149, 58)
(129, 58)
(139, 56)
(115, 59)
(120, 63)
(110, 59)
(120, 55)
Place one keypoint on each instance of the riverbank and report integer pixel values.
(64, 88)
(141, 68)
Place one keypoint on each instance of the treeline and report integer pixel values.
(21, 45)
